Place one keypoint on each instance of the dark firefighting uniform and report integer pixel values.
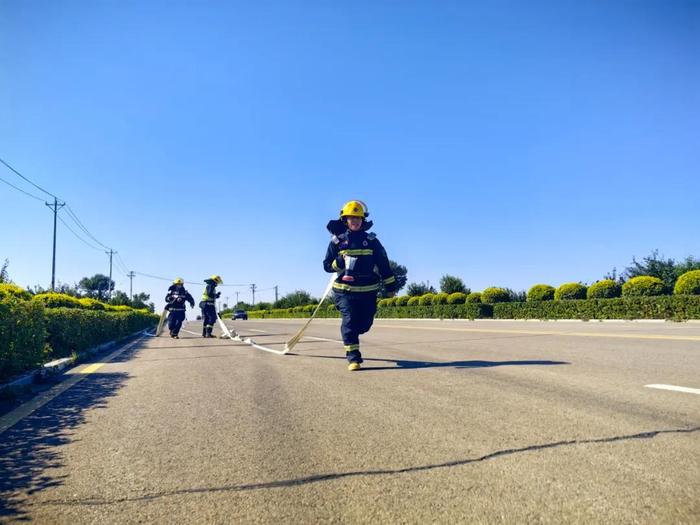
(175, 301)
(357, 300)
(208, 306)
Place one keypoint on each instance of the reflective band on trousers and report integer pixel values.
(350, 288)
(361, 251)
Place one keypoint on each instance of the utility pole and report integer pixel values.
(131, 285)
(252, 289)
(276, 298)
(55, 207)
(109, 284)
(237, 301)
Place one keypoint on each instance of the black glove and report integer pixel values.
(218, 294)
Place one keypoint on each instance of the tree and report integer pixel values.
(452, 284)
(296, 298)
(421, 288)
(400, 273)
(97, 286)
(668, 270)
(4, 276)
(140, 301)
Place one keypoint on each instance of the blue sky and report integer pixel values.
(509, 143)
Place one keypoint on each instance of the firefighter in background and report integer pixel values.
(353, 254)
(175, 301)
(208, 305)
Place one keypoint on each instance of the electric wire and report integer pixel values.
(75, 219)
(20, 189)
(78, 236)
(29, 181)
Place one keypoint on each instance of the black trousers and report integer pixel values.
(357, 310)
(208, 317)
(175, 319)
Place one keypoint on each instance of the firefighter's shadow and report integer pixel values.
(32, 451)
(406, 364)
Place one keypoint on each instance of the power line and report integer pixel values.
(78, 236)
(20, 189)
(29, 181)
(75, 219)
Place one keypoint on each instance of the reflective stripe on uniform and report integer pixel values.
(350, 348)
(361, 251)
(351, 288)
(335, 266)
(389, 280)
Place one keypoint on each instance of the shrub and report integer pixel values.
(570, 292)
(413, 301)
(58, 300)
(22, 335)
(92, 304)
(391, 301)
(642, 286)
(402, 300)
(443, 311)
(677, 307)
(495, 295)
(441, 298)
(309, 308)
(540, 292)
(474, 297)
(457, 298)
(426, 299)
(12, 290)
(605, 289)
(450, 284)
(382, 303)
(688, 284)
(330, 307)
(74, 330)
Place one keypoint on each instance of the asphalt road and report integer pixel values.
(470, 422)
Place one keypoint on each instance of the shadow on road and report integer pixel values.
(31, 448)
(405, 364)
(317, 478)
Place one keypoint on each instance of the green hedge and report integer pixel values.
(605, 289)
(22, 335)
(570, 292)
(7, 289)
(495, 295)
(457, 298)
(678, 307)
(439, 311)
(688, 283)
(473, 297)
(540, 292)
(643, 286)
(72, 330)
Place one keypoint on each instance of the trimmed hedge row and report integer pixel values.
(22, 335)
(676, 307)
(436, 311)
(72, 330)
(33, 330)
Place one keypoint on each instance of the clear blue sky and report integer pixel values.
(509, 143)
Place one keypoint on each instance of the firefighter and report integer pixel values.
(175, 305)
(208, 304)
(353, 254)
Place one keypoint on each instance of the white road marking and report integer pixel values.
(187, 331)
(323, 339)
(259, 331)
(676, 388)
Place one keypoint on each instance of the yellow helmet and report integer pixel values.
(179, 280)
(217, 279)
(354, 209)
